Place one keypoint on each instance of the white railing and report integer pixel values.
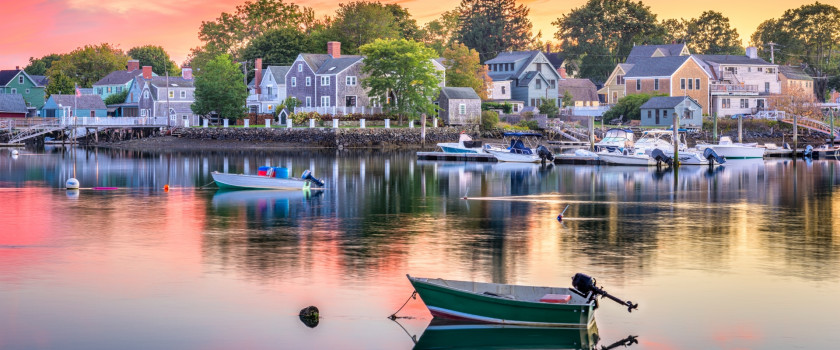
(114, 121)
(733, 88)
(771, 115)
(340, 110)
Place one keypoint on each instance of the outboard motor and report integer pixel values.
(660, 157)
(713, 157)
(809, 151)
(585, 285)
(307, 175)
(544, 153)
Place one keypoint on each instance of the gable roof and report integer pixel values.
(656, 66)
(315, 60)
(647, 51)
(459, 93)
(80, 102)
(12, 103)
(279, 73)
(175, 82)
(733, 59)
(40, 80)
(118, 77)
(555, 59)
(512, 57)
(335, 65)
(6, 77)
(666, 102)
(580, 89)
(794, 73)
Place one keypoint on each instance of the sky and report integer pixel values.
(40, 27)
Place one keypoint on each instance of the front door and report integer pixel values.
(92, 113)
(657, 117)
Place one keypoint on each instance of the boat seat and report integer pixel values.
(556, 298)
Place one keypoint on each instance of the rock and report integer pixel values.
(309, 316)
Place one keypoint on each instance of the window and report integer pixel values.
(350, 81)
(325, 101)
(656, 84)
(760, 69)
(119, 88)
(20, 79)
(745, 103)
(749, 69)
(183, 94)
(503, 90)
(171, 94)
(109, 89)
(325, 81)
(690, 84)
(766, 86)
(374, 101)
(664, 113)
(294, 81)
(300, 67)
(142, 112)
(99, 91)
(539, 84)
(145, 93)
(638, 85)
(308, 81)
(682, 84)
(725, 103)
(270, 77)
(350, 101)
(268, 90)
(619, 79)
(462, 108)
(697, 83)
(308, 101)
(14, 91)
(770, 70)
(27, 91)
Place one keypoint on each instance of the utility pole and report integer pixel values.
(772, 52)
(168, 114)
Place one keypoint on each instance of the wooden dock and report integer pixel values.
(12, 145)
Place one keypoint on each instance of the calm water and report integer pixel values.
(746, 256)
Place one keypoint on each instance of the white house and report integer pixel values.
(740, 84)
(268, 88)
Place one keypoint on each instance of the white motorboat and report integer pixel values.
(465, 144)
(615, 140)
(269, 181)
(642, 151)
(517, 151)
(732, 150)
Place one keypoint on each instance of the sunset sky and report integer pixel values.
(39, 27)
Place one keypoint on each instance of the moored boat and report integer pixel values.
(465, 144)
(731, 150)
(441, 334)
(267, 180)
(517, 151)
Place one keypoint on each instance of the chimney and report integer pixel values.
(752, 52)
(147, 72)
(186, 73)
(132, 65)
(334, 49)
(17, 67)
(562, 71)
(258, 76)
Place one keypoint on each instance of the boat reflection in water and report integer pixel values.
(272, 201)
(442, 334)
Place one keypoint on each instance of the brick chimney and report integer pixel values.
(258, 75)
(132, 65)
(17, 67)
(334, 49)
(147, 72)
(562, 71)
(186, 73)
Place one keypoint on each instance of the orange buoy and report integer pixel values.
(165, 188)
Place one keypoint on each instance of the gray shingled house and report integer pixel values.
(659, 111)
(12, 106)
(459, 106)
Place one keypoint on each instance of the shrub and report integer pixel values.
(529, 124)
(505, 107)
(489, 120)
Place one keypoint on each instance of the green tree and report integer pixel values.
(709, 34)
(568, 100)
(404, 70)
(549, 107)
(407, 26)
(39, 66)
(116, 98)
(291, 103)
(489, 120)
(628, 107)
(493, 26)
(155, 56)
(278, 46)
(361, 22)
(601, 34)
(86, 65)
(464, 69)
(440, 33)
(60, 84)
(220, 89)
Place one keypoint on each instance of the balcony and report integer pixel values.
(733, 89)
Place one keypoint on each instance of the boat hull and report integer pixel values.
(456, 304)
(737, 152)
(507, 156)
(458, 148)
(254, 182)
(621, 159)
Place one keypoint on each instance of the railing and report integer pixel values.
(812, 124)
(771, 115)
(115, 121)
(733, 88)
(340, 110)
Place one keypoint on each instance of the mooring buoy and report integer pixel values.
(72, 184)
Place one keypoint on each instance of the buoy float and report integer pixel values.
(72, 184)
(15, 152)
(165, 188)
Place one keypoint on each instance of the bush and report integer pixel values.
(628, 106)
(549, 107)
(505, 107)
(529, 124)
(489, 120)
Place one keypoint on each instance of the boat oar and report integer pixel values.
(586, 285)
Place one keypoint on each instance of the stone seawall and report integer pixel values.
(328, 137)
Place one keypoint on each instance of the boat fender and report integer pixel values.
(165, 188)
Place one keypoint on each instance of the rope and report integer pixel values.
(394, 315)
(208, 184)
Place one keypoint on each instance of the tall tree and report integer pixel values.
(601, 34)
(464, 69)
(806, 35)
(155, 56)
(494, 26)
(86, 65)
(278, 46)
(39, 66)
(404, 70)
(60, 84)
(407, 26)
(440, 33)
(361, 22)
(220, 89)
(709, 34)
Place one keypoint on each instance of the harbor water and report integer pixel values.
(743, 256)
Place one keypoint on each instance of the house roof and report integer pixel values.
(794, 73)
(315, 60)
(41, 80)
(279, 72)
(459, 93)
(80, 102)
(555, 59)
(666, 102)
(512, 57)
(7, 75)
(173, 82)
(118, 77)
(656, 66)
(647, 51)
(335, 65)
(580, 89)
(12, 103)
(529, 76)
(733, 59)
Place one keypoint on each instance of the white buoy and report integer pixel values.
(73, 194)
(15, 152)
(72, 184)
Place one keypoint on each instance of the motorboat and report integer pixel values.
(615, 140)
(732, 150)
(268, 178)
(642, 152)
(518, 151)
(465, 144)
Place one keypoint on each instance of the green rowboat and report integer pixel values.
(443, 335)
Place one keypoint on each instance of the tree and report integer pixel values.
(549, 107)
(568, 100)
(601, 34)
(628, 107)
(493, 26)
(220, 89)
(60, 84)
(403, 70)
(361, 22)
(116, 98)
(708, 34)
(278, 46)
(464, 69)
(440, 33)
(155, 56)
(39, 66)
(407, 26)
(86, 65)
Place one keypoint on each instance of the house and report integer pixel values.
(794, 79)
(531, 75)
(740, 84)
(12, 106)
(164, 96)
(459, 106)
(559, 63)
(17, 81)
(613, 89)
(659, 111)
(583, 92)
(117, 81)
(672, 76)
(58, 106)
(267, 90)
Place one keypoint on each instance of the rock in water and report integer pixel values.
(309, 316)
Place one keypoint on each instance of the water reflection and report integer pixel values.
(443, 335)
